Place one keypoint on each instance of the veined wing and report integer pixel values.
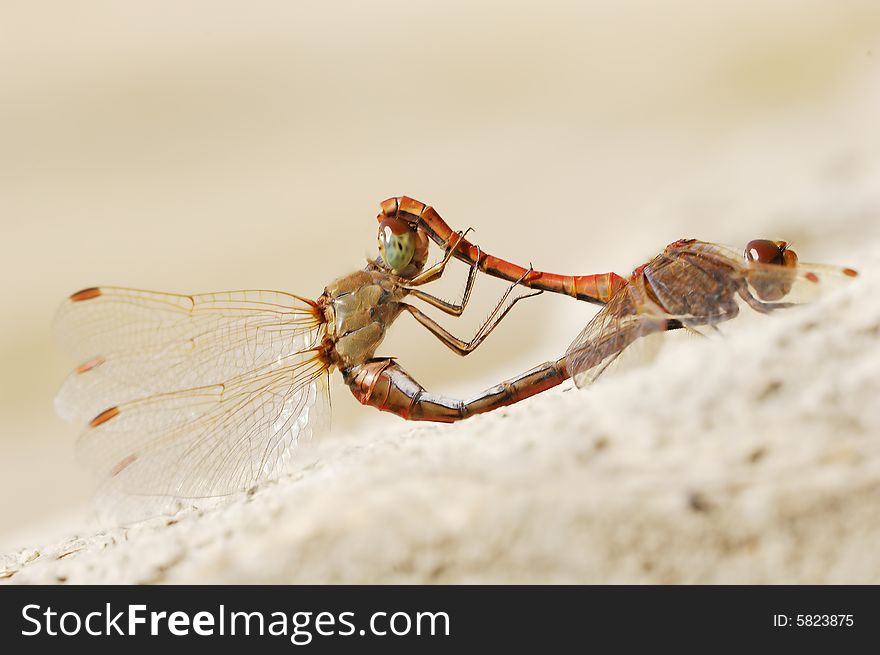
(702, 280)
(197, 395)
(130, 343)
(697, 282)
(795, 285)
(629, 315)
(212, 440)
(693, 283)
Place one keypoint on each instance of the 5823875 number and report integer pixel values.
(824, 620)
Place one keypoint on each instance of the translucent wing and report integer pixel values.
(700, 283)
(628, 316)
(797, 285)
(696, 282)
(692, 283)
(130, 343)
(192, 396)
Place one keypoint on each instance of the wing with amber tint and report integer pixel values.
(191, 396)
(628, 316)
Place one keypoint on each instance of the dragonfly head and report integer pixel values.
(773, 253)
(403, 249)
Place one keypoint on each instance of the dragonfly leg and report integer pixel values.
(443, 305)
(724, 312)
(460, 346)
(383, 384)
(592, 288)
(759, 305)
(433, 273)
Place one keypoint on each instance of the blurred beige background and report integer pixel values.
(204, 146)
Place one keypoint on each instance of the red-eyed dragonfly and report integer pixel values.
(691, 284)
(192, 396)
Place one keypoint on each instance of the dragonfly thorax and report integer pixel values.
(358, 309)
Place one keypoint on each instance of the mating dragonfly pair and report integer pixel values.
(205, 395)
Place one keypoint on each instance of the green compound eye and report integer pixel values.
(397, 244)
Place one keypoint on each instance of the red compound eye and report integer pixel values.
(766, 251)
(397, 225)
(771, 284)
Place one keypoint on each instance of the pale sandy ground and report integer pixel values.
(192, 152)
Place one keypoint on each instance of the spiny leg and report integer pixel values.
(443, 305)
(491, 321)
(433, 273)
(724, 312)
(460, 346)
(759, 305)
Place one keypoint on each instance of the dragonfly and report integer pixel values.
(197, 396)
(690, 284)
(200, 396)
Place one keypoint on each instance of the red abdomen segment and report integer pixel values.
(384, 385)
(593, 288)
